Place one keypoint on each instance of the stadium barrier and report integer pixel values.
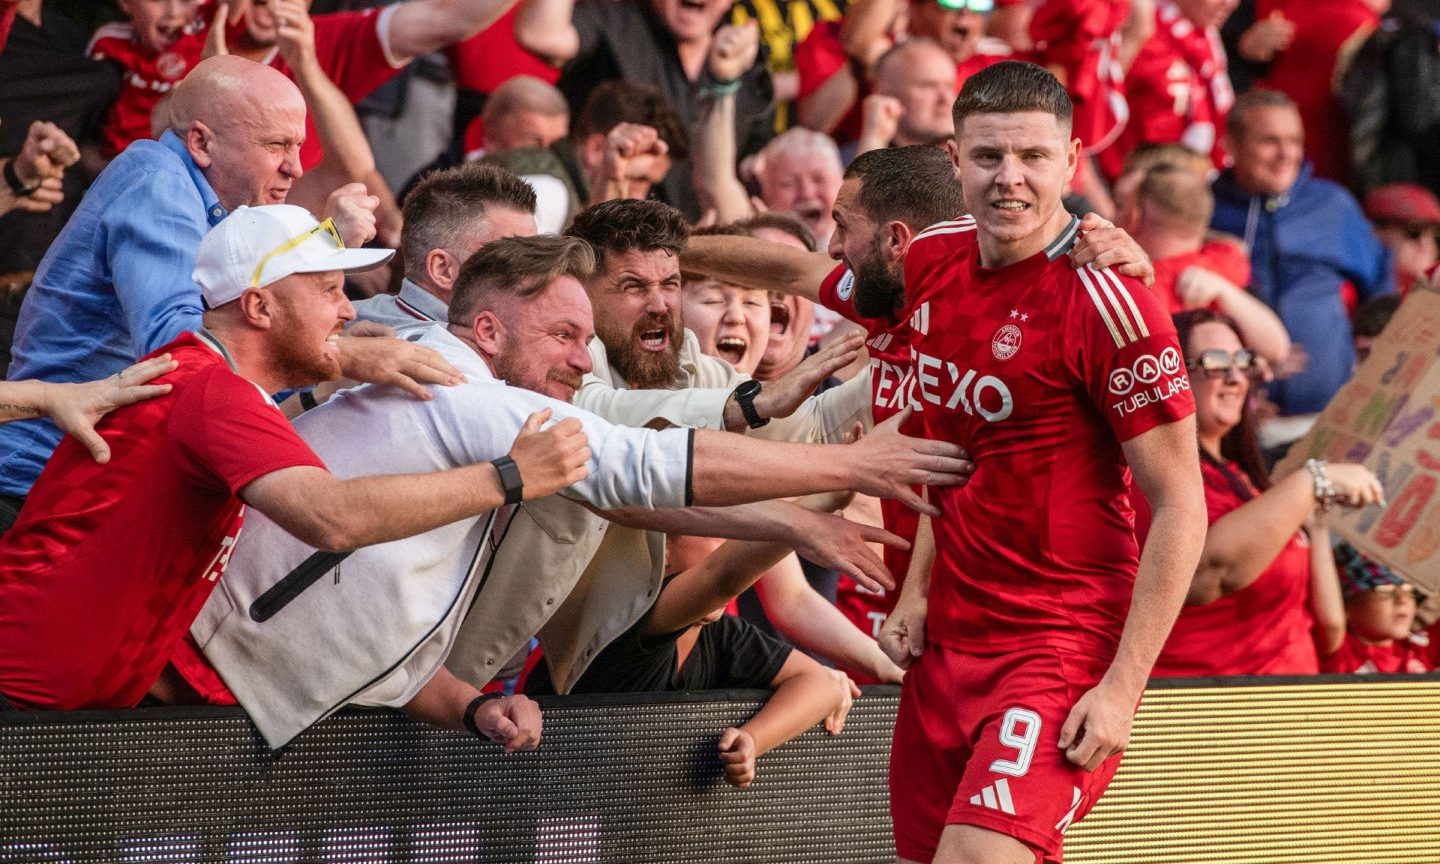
(1333, 769)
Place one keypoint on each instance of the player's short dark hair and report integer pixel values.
(626, 224)
(618, 101)
(1374, 314)
(915, 185)
(447, 203)
(516, 268)
(777, 221)
(1010, 87)
(1250, 100)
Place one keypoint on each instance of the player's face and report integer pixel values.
(255, 154)
(544, 339)
(957, 30)
(1219, 398)
(158, 23)
(638, 315)
(731, 322)
(803, 184)
(1270, 149)
(790, 319)
(1014, 169)
(1387, 612)
(690, 20)
(310, 313)
(879, 289)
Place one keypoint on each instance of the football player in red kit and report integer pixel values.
(1030, 640)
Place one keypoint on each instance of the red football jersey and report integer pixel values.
(1040, 371)
(1265, 628)
(1178, 90)
(108, 565)
(888, 342)
(147, 77)
(1419, 653)
(1081, 39)
(1218, 256)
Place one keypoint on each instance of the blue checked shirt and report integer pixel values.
(114, 286)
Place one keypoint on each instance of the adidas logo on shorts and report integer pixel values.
(996, 796)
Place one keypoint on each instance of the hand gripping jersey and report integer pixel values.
(1040, 371)
(888, 341)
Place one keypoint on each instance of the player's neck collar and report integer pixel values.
(1061, 244)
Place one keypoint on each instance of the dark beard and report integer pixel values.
(641, 369)
(878, 292)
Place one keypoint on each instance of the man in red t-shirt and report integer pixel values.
(887, 198)
(1178, 87)
(107, 565)
(1029, 655)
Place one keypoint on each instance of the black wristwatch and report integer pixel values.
(510, 479)
(17, 186)
(745, 397)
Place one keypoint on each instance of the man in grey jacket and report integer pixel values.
(376, 627)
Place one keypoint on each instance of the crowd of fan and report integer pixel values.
(628, 211)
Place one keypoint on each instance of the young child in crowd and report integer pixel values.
(686, 642)
(162, 41)
(1379, 621)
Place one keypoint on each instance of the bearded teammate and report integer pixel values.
(888, 196)
(1030, 653)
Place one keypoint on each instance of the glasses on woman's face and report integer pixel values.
(1393, 593)
(1217, 364)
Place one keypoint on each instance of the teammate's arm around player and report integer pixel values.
(1168, 474)
(903, 636)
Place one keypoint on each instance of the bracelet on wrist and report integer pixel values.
(717, 88)
(474, 706)
(1324, 490)
(17, 186)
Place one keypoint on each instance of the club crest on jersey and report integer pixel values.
(1006, 342)
(846, 286)
(171, 66)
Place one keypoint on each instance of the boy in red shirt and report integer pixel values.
(1379, 621)
(160, 43)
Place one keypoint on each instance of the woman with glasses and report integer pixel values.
(1265, 590)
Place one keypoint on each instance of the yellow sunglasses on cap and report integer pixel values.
(326, 227)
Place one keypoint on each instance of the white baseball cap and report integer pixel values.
(257, 246)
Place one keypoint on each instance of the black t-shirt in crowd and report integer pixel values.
(729, 654)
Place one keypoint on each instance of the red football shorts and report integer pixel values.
(977, 743)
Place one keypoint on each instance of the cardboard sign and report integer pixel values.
(1387, 418)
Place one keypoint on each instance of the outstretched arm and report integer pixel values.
(758, 264)
(514, 721)
(335, 515)
(810, 621)
(805, 694)
(422, 26)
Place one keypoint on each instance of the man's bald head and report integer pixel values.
(524, 112)
(243, 124)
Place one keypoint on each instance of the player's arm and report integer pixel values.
(1166, 466)
(902, 638)
(758, 264)
(419, 27)
(332, 514)
(805, 694)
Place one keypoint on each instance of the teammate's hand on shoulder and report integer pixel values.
(550, 459)
(1099, 725)
(1101, 245)
(781, 397)
(514, 721)
(737, 757)
(902, 638)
